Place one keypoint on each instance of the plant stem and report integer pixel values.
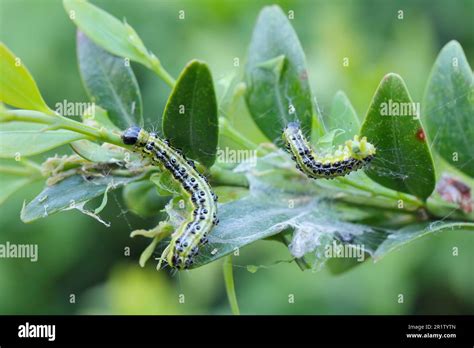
(224, 177)
(156, 66)
(395, 195)
(61, 122)
(229, 285)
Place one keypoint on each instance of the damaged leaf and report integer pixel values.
(70, 193)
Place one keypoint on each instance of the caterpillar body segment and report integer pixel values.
(354, 155)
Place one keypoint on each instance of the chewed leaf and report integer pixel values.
(70, 193)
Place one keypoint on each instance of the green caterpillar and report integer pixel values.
(192, 233)
(354, 155)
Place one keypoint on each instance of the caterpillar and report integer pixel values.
(192, 233)
(354, 155)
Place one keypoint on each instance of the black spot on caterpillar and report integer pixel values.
(354, 155)
(192, 233)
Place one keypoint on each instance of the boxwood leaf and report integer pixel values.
(17, 86)
(448, 108)
(107, 31)
(110, 82)
(276, 76)
(69, 194)
(190, 116)
(27, 139)
(403, 160)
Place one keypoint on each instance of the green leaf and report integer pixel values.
(142, 198)
(110, 83)
(27, 139)
(342, 116)
(403, 160)
(17, 86)
(190, 116)
(278, 90)
(70, 193)
(107, 31)
(448, 108)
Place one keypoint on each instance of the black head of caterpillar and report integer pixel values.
(193, 232)
(354, 155)
(130, 136)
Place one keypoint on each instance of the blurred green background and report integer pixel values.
(79, 256)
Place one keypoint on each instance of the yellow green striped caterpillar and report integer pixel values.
(192, 233)
(354, 155)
